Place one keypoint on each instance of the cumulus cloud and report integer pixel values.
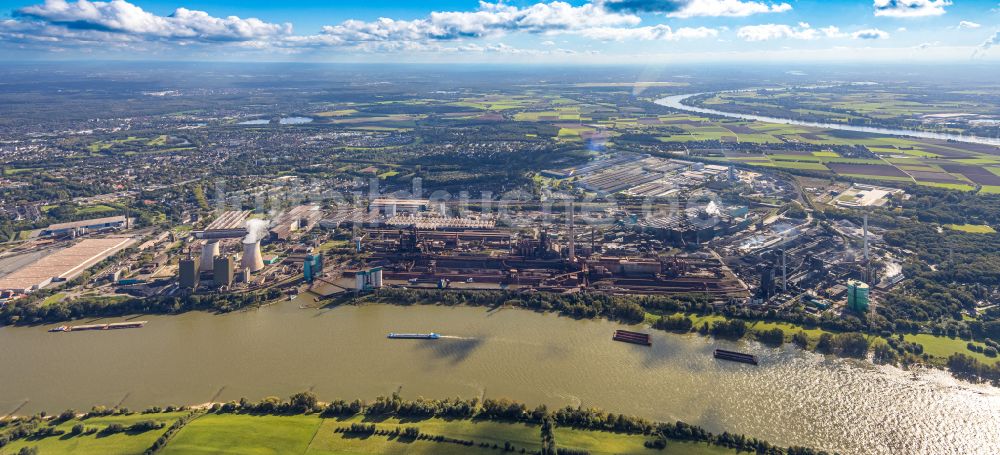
(650, 33)
(871, 33)
(989, 43)
(488, 19)
(803, 31)
(968, 24)
(693, 8)
(910, 8)
(122, 17)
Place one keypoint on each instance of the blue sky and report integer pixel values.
(578, 31)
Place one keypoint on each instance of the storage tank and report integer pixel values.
(376, 277)
(252, 259)
(360, 280)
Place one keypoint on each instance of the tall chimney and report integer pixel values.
(572, 233)
(784, 272)
(867, 262)
(252, 260)
(865, 231)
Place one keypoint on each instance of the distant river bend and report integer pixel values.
(792, 398)
(676, 102)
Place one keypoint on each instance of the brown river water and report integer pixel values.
(791, 398)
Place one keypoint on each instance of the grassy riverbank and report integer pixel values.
(97, 442)
(937, 348)
(312, 434)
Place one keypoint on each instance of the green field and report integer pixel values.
(54, 298)
(972, 228)
(601, 443)
(313, 435)
(245, 434)
(96, 444)
(943, 347)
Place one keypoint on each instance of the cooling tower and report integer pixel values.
(252, 259)
(209, 251)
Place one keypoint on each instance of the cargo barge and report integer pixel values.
(627, 336)
(414, 336)
(110, 326)
(735, 356)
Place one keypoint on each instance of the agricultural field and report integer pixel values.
(311, 434)
(865, 104)
(972, 228)
(97, 443)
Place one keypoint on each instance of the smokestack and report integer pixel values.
(865, 234)
(784, 273)
(572, 233)
(252, 259)
(209, 251)
(865, 230)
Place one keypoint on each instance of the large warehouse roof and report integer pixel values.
(85, 223)
(63, 264)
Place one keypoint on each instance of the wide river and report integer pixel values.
(676, 102)
(793, 397)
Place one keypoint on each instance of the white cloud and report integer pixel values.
(871, 33)
(122, 17)
(910, 8)
(489, 19)
(651, 33)
(832, 32)
(968, 24)
(693, 8)
(989, 43)
(803, 31)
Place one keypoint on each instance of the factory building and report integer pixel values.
(85, 226)
(392, 205)
(189, 273)
(312, 266)
(296, 220)
(366, 280)
(223, 271)
(697, 225)
(440, 222)
(857, 295)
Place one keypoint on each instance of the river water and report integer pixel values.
(793, 397)
(676, 102)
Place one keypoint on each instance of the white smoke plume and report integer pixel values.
(256, 230)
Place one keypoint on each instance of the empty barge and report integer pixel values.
(735, 356)
(111, 326)
(627, 336)
(414, 336)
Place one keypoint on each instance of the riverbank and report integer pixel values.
(389, 425)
